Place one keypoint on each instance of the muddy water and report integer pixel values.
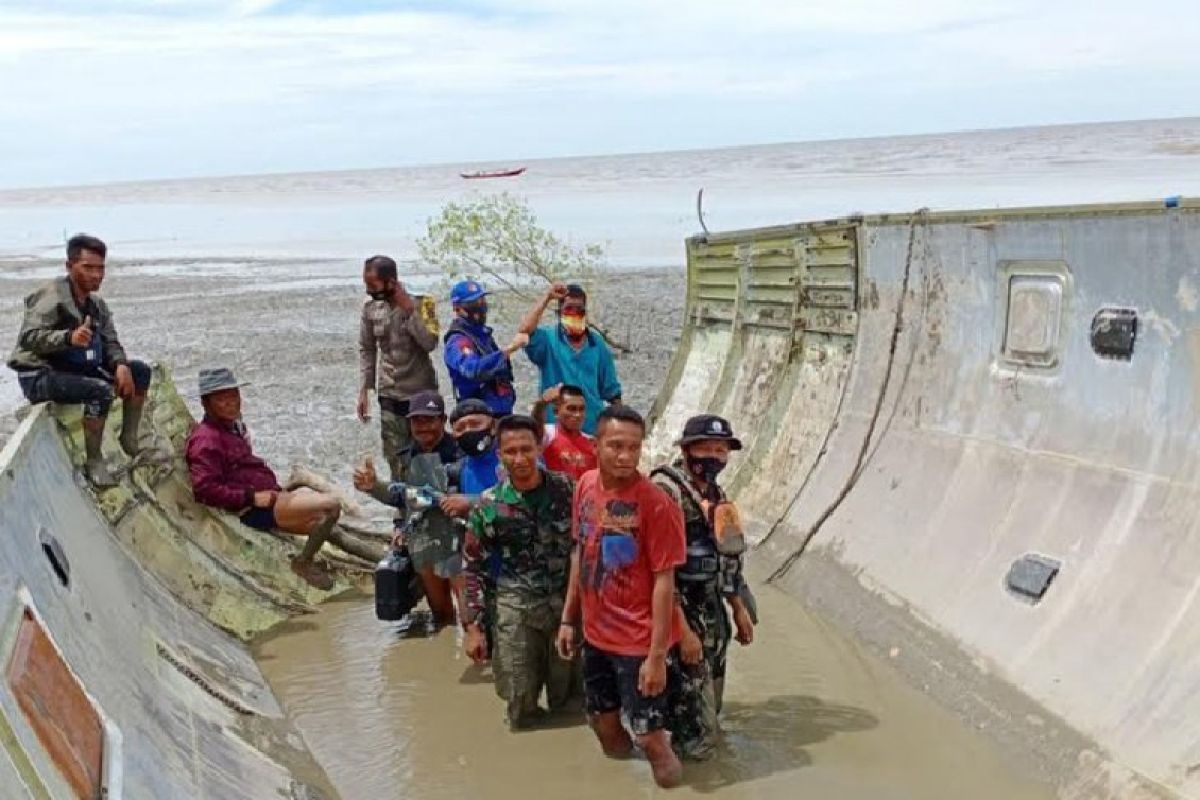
(808, 714)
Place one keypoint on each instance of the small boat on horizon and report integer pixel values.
(495, 173)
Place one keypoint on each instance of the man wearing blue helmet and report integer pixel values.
(479, 368)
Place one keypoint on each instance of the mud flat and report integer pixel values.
(808, 714)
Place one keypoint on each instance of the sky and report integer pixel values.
(94, 91)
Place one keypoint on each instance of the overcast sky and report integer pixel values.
(94, 91)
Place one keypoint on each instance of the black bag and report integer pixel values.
(397, 586)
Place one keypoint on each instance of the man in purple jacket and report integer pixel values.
(226, 474)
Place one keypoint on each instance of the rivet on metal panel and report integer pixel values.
(1031, 575)
(1114, 332)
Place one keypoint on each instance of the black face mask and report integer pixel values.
(382, 294)
(705, 468)
(476, 314)
(474, 443)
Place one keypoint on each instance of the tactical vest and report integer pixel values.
(703, 565)
(463, 387)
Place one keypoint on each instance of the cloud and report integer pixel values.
(105, 90)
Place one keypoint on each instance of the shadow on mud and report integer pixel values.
(767, 737)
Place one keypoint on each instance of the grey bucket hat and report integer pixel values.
(214, 380)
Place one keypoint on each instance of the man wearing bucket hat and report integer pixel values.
(709, 579)
(478, 367)
(226, 474)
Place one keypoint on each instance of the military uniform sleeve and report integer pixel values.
(475, 558)
(40, 333)
(367, 350)
(114, 353)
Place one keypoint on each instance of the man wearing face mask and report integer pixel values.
(474, 427)
(710, 579)
(479, 368)
(571, 353)
(396, 336)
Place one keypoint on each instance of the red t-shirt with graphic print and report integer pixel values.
(626, 536)
(572, 453)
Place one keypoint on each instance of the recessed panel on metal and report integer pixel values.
(60, 713)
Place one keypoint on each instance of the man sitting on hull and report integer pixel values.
(226, 474)
(68, 352)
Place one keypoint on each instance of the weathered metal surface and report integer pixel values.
(237, 577)
(169, 728)
(958, 418)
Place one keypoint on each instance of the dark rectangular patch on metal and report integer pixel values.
(1031, 575)
(58, 710)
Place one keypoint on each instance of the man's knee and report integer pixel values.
(142, 374)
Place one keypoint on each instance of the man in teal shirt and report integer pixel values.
(570, 352)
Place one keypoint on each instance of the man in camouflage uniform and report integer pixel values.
(397, 333)
(711, 577)
(526, 521)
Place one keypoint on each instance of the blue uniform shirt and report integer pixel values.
(478, 368)
(479, 473)
(591, 368)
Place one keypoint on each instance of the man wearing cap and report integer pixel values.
(710, 578)
(68, 352)
(226, 474)
(397, 333)
(571, 353)
(434, 542)
(479, 368)
(473, 425)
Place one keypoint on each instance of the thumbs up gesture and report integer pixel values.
(82, 336)
(365, 476)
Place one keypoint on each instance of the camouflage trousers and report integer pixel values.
(395, 434)
(693, 716)
(525, 660)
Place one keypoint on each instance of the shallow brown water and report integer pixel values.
(807, 714)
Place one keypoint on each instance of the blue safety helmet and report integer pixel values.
(466, 292)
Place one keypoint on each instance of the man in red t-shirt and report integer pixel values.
(565, 447)
(629, 538)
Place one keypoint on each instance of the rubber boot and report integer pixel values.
(304, 564)
(131, 421)
(94, 468)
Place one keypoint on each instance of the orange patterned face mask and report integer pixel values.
(575, 324)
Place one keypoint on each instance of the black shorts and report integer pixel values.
(610, 683)
(261, 518)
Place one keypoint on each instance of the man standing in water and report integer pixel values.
(68, 352)
(434, 541)
(525, 525)
(570, 352)
(710, 578)
(629, 540)
(396, 335)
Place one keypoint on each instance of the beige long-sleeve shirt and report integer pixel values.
(394, 347)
